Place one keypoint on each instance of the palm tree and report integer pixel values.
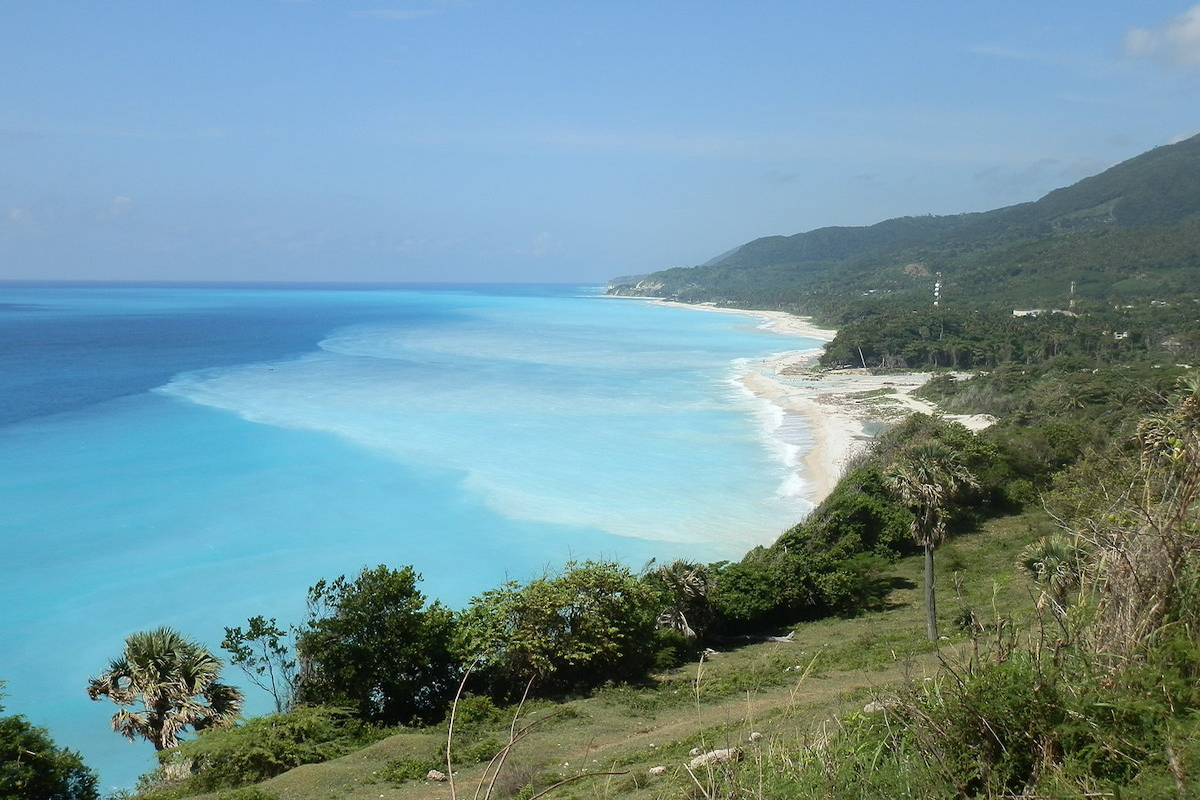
(686, 586)
(1056, 564)
(176, 682)
(926, 477)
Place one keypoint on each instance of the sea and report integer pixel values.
(193, 455)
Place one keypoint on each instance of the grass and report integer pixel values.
(788, 692)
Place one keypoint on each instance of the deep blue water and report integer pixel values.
(194, 455)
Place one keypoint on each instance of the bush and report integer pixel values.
(860, 515)
(400, 770)
(591, 624)
(267, 746)
(672, 648)
(771, 588)
(1052, 724)
(474, 711)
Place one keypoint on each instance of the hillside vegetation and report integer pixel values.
(1126, 236)
(1014, 612)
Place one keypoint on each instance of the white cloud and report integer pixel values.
(118, 206)
(1175, 42)
(20, 216)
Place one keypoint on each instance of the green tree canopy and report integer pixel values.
(32, 767)
(372, 643)
(593, 622)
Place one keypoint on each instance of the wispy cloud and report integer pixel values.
(780, 176)
(1179, 138)
(1008, 53)
(396, 15)
(1175, 42)
(655, 143)
(1041, 172)
(119, 206)
(13, 136)
(20, 216)
(541, 245)
(1071, 60)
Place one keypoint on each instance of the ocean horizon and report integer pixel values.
(194, 454)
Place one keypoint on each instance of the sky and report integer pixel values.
(546, 141)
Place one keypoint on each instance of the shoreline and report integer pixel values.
(840, 407)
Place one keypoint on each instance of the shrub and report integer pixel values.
(267, 746)
(591, 624)
(400, 770)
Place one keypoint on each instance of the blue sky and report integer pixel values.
(481, 140)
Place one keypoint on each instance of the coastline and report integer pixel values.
(843, 408)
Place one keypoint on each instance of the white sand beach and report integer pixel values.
(842, 407)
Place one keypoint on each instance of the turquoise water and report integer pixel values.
(192, 456)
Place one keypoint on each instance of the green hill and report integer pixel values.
(1129, 234)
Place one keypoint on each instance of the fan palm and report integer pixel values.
(1056, 564)
(926, 477)
(686, 586)
(176, 682)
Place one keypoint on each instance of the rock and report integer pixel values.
(875, 706)
(729, 754)
(434, 775)
(695, 751)
(756, 737)
(658, 770)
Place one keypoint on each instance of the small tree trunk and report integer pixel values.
(930, 598)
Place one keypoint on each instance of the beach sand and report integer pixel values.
(843, 408)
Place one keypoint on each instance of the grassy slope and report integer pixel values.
(761, 687)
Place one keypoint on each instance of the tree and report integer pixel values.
(926, 477)
(176, 682)
(372, 643)
(263, 652)
(1054, 563)
(685, 586)
(592, 623)
(32, 767)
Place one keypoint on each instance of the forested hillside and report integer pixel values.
(1128, 235)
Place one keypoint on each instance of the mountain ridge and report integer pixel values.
(1132, 229)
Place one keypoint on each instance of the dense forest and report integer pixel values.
(1093, 692)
